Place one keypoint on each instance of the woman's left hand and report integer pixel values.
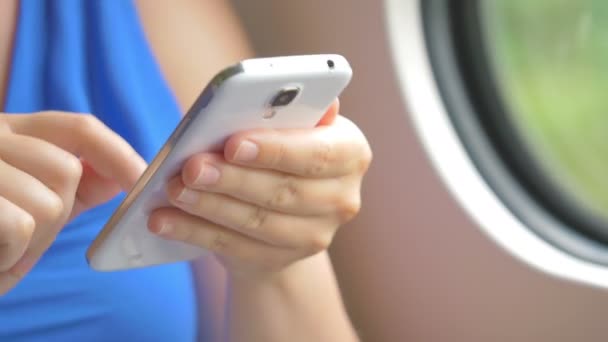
(274, 197)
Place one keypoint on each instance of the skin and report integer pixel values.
(268, 206)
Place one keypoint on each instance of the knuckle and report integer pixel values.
(348, 207)
(366, 159)
(85, 124)
(25, 226)
(14, 240)
(256, 219)
(322, 157)
(219, 242)
(284, 194)
(279, 155)
(71, 169)
(53, 210)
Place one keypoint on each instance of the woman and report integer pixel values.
(136, 66)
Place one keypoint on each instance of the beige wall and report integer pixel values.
(412, 266)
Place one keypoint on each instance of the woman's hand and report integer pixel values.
(52, 167)
(274, 197)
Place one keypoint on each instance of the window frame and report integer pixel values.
(493, 190)
(466, 81)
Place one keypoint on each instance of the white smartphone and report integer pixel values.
(278, 92)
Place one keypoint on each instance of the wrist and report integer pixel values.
(239, 281)
(302, 299)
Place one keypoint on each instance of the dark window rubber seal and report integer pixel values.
(463, 73)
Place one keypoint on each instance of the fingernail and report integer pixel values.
(188, 196)
(208, 175)
(247, 151)
(23, 266)
(165, 229)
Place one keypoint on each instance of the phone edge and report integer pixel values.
(199, 104)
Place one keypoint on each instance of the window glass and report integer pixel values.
(551, 61)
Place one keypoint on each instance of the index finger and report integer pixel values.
(87, 137)
(320, 152)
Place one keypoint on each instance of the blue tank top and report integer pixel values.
(92, 57)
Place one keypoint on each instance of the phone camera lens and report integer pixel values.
(330, 64)
(284, 97)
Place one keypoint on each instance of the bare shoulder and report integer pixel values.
(192, 40)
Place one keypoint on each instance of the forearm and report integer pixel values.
(303, 303)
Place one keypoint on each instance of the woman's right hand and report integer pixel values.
(53, 166)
